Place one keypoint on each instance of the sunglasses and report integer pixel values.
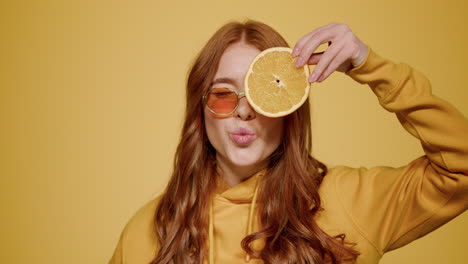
(222, 100)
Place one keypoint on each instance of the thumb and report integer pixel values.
(315, 58)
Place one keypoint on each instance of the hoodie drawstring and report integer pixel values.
(249, 224)
(210, 235)
(251, 216)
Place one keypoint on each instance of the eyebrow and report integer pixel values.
(225, 80)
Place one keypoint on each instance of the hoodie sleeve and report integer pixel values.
(393, 206)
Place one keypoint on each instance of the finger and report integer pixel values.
(340, 58)
(325, 60)
(302, 41)
(315, 58)
(313, 43)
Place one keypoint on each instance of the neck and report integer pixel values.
(234, 174)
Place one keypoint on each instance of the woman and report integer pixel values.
(246, 189)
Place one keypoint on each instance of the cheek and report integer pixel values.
(213, 129)
(274, 130)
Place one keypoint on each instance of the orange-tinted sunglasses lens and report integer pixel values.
(221, 100)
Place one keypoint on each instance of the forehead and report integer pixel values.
(234, 64)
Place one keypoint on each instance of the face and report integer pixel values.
(245, 138)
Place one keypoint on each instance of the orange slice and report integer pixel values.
(274, 86)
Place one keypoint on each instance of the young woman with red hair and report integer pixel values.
(245, 187)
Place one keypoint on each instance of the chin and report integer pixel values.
(244, 158)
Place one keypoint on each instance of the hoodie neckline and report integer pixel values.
(242, 192)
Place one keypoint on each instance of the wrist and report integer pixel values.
(361, 57)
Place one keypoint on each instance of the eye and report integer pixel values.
(222, 94)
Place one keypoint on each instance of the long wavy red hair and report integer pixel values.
(286, 213)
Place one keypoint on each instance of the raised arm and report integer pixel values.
(441, 128)
(394, 206)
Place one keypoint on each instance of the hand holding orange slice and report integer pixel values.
(274, 86)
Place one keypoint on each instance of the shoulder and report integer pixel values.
(337, 201)
(355, 175)
(340, 174)
(337, 176)
(138, 240)
(338, 179)
(349, 187)
(143, 217)
(141, 223)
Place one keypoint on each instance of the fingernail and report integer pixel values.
(295, 52)
(312, 77)
(320, 79)
(299, 61)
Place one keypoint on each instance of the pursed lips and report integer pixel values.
(243, 136)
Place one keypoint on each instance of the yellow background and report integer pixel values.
(92, 97)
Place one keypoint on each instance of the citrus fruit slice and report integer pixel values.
(274, 86)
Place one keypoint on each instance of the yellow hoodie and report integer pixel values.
(380, 208)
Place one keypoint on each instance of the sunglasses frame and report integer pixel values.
(239, 96)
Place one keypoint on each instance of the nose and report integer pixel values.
(244, 111)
